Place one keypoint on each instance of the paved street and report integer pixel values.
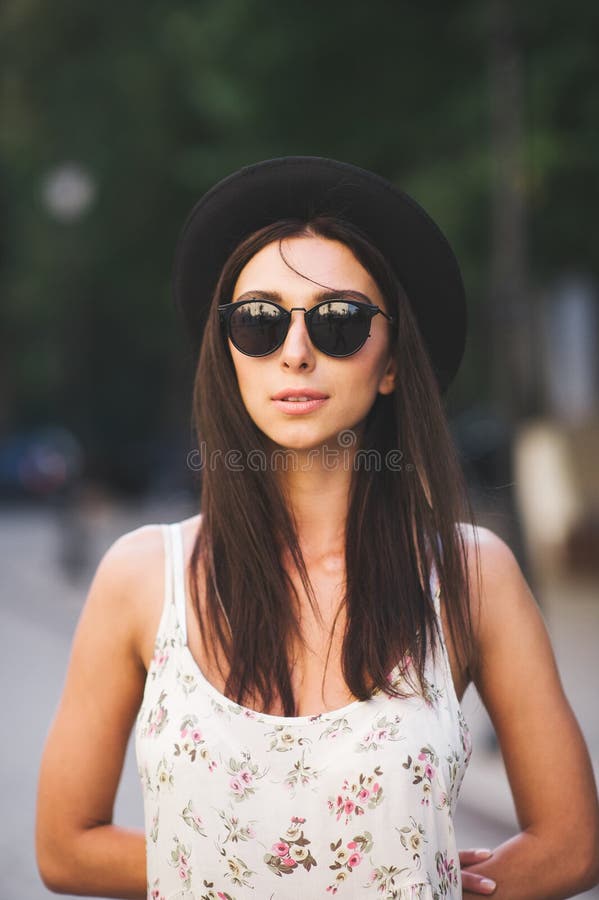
(39, 609)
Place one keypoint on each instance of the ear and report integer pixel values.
(387, 382)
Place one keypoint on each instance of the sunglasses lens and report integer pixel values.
(257, 327)
(339, 327)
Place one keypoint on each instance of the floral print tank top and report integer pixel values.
(356, 802)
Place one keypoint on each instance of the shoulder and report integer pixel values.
(129, 560)
(128, 585)
(492, 565)
(500, 598)
(503, 608)
(138, 561)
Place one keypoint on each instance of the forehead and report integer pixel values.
(331, 264)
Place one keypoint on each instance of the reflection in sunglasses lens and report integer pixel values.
(257, 327)
(337, 328)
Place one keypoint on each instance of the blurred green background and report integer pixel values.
(117, 118)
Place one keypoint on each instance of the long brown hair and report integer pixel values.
(400, 520)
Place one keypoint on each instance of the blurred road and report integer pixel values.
(39, 608)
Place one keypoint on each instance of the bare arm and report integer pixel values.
(79, 850)
(556, 855)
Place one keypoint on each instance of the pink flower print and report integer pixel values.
(157, 717)
(429, 771)
(180, 860)
(447, 871)
(158, 720)
(196, 735)
(244, 776)
(291, 851)
(348, 857)
(183, 733)
(422, 756)
(159, 660)
(363, 791)
(236, 786)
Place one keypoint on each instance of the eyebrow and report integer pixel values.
(318, 297)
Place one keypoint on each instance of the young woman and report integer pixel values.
(293, 658)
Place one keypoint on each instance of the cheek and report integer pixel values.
(253, 388)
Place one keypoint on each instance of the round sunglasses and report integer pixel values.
(336, 326)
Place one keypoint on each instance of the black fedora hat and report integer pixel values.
(304, 186)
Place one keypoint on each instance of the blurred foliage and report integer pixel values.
(159, 100)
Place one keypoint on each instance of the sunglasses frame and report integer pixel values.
(226, 310)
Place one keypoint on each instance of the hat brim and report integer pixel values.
(305, 186)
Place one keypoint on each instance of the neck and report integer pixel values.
(318, 498)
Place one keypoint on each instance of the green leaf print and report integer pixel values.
(180, 860)
(235, 831)
(300, 774)
(383, 729)
(192, 819)
(239, 873)
(412, 838)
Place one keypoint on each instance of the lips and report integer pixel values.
(308, 393)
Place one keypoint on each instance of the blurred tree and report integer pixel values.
(157, 102)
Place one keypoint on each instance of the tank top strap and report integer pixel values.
(178, 577)
(166, 626)
(435, 587)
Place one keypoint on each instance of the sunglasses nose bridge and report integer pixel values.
(290, 319)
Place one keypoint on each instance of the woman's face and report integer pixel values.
(351, 384)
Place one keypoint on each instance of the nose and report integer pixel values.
(297, 348)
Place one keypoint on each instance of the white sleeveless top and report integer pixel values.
(238, 804)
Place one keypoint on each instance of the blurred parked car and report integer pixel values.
(39, 463)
